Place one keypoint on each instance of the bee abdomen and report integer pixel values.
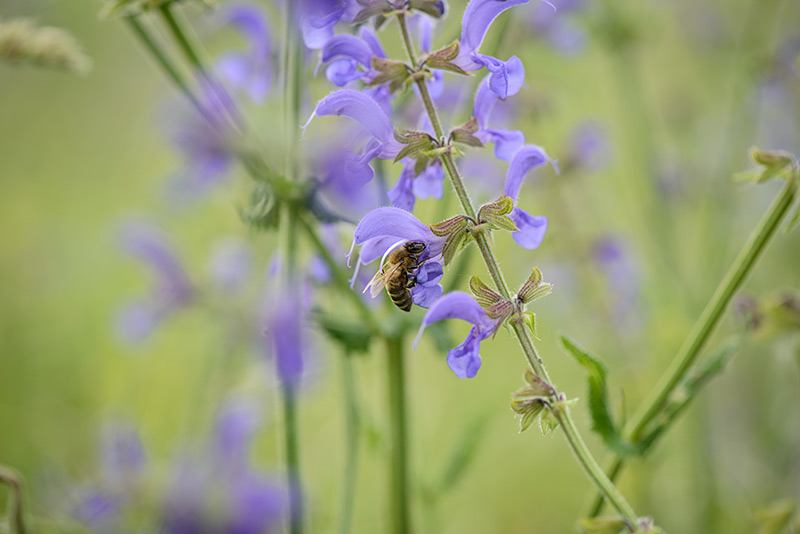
(402, 299)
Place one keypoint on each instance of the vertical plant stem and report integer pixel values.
(523, 333)
(352, 425)
(11, 478)
(398, 440)
(292, 460)
(708, 320)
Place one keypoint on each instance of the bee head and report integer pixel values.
(415, 248)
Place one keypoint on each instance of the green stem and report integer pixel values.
(164, 62)
(292, 460)
(338, 274)
(523, 333)
(708, 320)
(291, 67)
(399, 498)
(14, 481)
(351, 451)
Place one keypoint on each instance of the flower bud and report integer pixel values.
(533, 288)
(396, 73)
(495, 214)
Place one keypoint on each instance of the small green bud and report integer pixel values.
(443, 59)
(434, 8)
(495, 214)
(529, 400)
(463, 134)
(774, 164)
(455, 229)
(396, 73)
(534, 288)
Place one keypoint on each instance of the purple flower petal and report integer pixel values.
(506, 142)
(366, 111)
(317, 19)
(372, 40)
(430, 183)
(251, 72)
(428, 290)
(507, 77)
(285, 336)
(402, 194)
(458, 305)
(527, 158)
(347, 46)
(343, 71)
(531, 228)
(478, 16)
(464, 360)
(394, 222)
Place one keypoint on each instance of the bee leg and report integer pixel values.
(411, 284)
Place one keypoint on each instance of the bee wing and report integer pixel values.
(378, 282)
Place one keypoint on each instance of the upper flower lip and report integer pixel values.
(398, 223)
(478, 16)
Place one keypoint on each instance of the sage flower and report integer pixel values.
(317, 19)
(464, 360)
(531, 228)
(249, 71)
(506, 142)
(172, 289)
(346, 53)
(410, 186)
(507, 77)
(558, 27)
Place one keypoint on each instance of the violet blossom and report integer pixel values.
(558, 27)
(410, 186)
(464, 360)
(350, 57)
(249, 71)
(317, 19)
(385, 228)
(507, 77)
(506, 142)
(284, 337)
(171, 292)
(230, 265)
(531, 228)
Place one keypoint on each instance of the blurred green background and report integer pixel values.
(682, 89)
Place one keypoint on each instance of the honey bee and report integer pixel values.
(397, 274)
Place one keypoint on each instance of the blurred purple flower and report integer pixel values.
(409, 187)
(98, 510)
(317, 19)
(464, 360)
(221, 492)
(172, 290)
(285, 338)
(230, 265)
(558, 28)
(590, 146)
(250, 71)
(507, 77)
(122, 455)
(204, 143)
(621, 276)
(346, 53)
(506, 142)
(531, 228)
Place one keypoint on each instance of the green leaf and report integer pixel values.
(688, 390)
(462, 454)
(547, 422)
(353, 337)
(602, 421)
(530, 320)
(775, 517)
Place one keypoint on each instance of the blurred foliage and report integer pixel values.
(681, 88)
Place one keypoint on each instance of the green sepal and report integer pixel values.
(464, 133)
(495, 214)
(599, 409)
(529, 400)
(602, 525)
(353, 337)
(775, 517)
(434, 8)
(370, 10)
(455, 229)
(534, 287)
(773, 164)
(262, 210)
(396, 73)
(530, 320)
(547, 422)
(443, 59)
(484, 295)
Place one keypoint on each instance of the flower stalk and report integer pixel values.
(400, 517)
(706, 323)
(11, 478)
(523, 333)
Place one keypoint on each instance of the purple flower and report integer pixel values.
(506, 142)
(507, 77)
(347, 53)
(346, 188)
(98, 510)
(590, 146)
(385, 228)
(122, 456)
(205, 147)
(172, 289)
(285, 337)
(364, 110)
(230, 265)
(531, 228)
(248, 71)
(464, 360)
(559, 29)
(410, 187)
(621, 276)
(317, 19)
